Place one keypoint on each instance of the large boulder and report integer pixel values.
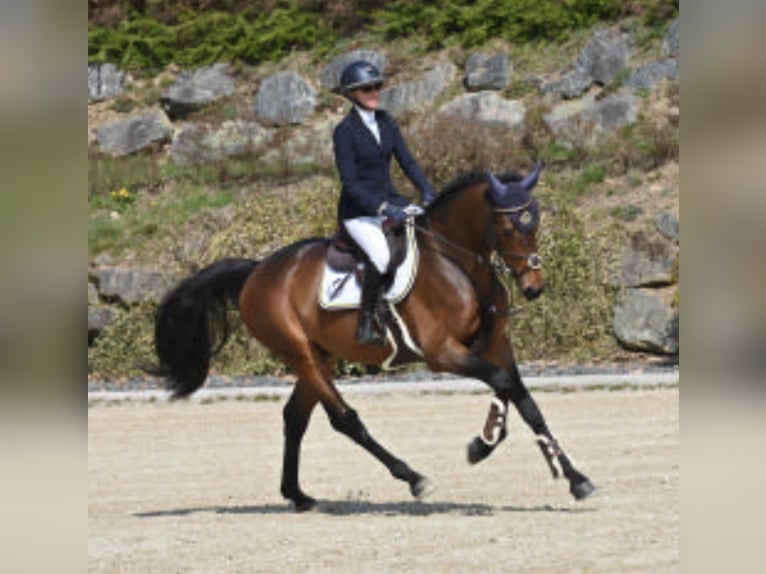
(199, 143)
(668, 226)
(99, 317)
(588, 119)
(648, 75)
(487, 72)
(134, 134)
(417, 94)
(644, 321)
(606, 54)
(131, 285)
(672, 43)
(330, 77)
(648, 262)
(571, 85)
(104, 81)
(284, 99)
(487, 107)
(197, 89)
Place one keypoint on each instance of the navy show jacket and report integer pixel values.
(364, 165)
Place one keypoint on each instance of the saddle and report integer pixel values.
(344, 254)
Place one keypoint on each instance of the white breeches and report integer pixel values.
(367, 232)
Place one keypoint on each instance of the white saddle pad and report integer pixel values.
(339, 290)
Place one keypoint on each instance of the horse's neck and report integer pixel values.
(465, 222)
(462, 233)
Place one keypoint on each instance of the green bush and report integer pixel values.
(573, 317)
(141, 43)
(473, 23)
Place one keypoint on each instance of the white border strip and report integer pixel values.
(614, 381)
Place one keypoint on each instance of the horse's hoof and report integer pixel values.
(582, 490)
(304, 504)
(478, 450)
(423, 488)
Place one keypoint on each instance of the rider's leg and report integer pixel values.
(366, 231)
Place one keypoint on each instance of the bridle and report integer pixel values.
(495, 260)
(534, 261)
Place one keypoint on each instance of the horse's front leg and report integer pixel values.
(508, 387)
(579, 485)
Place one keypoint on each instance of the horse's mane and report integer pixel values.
(463, 181)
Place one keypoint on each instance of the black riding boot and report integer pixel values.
(366, 333)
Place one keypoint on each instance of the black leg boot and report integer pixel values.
(366, 333)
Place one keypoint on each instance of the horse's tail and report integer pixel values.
(191, 323)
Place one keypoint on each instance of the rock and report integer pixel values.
(644, 322)
(487, 107)
(487, 72)
(572, 85)
(671, 44)
(92, 294)
(667, 224)
(134, 134)
(330, 77)
(198, 143)
(131, 285)
(284, 99)
(197, 89)
(587, 120)
(416, 95)
(310, 146)
(606, 55)
(648, 75)
(104, 81)
(647, 262)
(99, 316)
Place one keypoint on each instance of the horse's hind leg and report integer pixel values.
(296, 414)
(346, 421)
(313, 370)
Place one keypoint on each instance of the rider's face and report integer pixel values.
(369, 96)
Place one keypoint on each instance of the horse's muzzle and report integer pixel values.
(532, 292)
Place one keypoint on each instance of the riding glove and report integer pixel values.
(395, 212)
(428, 197)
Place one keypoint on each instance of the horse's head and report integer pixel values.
(515, 220)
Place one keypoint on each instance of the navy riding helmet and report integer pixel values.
(358, 75)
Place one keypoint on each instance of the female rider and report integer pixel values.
(363, 143)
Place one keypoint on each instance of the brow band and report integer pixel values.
(512, 209)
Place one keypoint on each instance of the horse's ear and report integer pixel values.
(529, 182)
(497, 191)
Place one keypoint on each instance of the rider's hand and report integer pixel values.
(413, 210)
(395, 212)
(428, 197)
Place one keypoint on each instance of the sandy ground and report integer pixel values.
(195, 488)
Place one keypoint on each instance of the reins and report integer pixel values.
(495, 262)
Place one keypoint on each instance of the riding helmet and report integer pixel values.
(358, 75)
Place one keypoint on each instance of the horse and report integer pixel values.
(456, 313)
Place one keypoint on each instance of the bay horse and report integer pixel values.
(456, 313)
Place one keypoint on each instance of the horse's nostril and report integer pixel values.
(532, 292)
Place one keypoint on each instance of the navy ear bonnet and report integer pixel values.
(515, 198)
